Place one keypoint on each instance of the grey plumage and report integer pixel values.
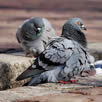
(63, 58)
(72, 29)
(34, 35)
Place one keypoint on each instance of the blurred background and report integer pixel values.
(14, 12)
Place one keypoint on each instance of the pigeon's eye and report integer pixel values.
(78, 23)
(38, 29)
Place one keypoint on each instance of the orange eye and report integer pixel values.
(78, 23)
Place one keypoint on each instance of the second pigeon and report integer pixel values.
(34, 34)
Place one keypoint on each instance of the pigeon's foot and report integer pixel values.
(28, 54)
(68, 82)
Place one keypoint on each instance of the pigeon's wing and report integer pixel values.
(77, 63)
(55, 54)
(30, 72)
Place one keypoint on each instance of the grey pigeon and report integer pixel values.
(34, 35)
(63, 58)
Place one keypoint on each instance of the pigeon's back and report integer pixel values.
(49, 32)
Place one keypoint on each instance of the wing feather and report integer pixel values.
(57, 52)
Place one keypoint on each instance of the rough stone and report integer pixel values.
(10, 67)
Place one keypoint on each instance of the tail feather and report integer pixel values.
(30, 72)
(38, 79)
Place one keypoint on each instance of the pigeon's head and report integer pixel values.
(73, 29)
(77, 23)
(32, 28)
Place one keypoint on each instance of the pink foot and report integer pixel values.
(28, 54)
(68, 82)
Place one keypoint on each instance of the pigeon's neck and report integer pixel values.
(73, 34)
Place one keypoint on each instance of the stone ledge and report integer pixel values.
(51, 93)
(10, 67)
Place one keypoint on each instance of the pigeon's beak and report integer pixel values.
(83, 27)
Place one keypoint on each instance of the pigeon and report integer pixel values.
(34, 35)
(63, 58)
